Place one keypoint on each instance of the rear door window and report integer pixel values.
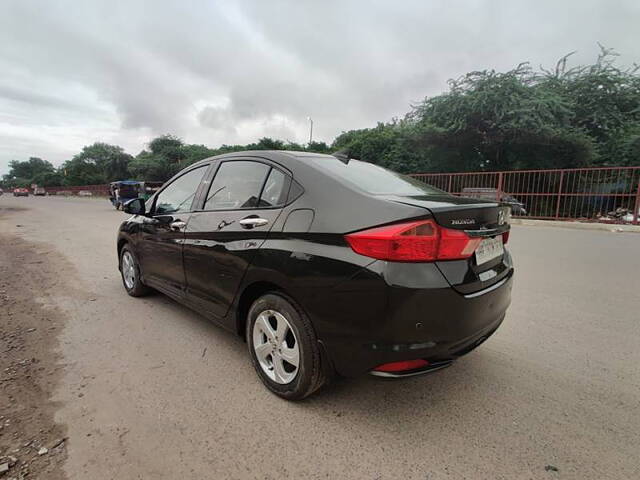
(236, 186)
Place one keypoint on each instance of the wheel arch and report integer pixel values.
(121, 243)
(249, 294)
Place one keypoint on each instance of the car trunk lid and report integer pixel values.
(477, 218)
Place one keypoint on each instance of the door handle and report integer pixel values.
(252, 222)
(177, 226)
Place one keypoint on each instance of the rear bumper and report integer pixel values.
(435, 324)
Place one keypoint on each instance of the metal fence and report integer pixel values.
(589, 194)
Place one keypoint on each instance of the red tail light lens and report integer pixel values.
(423, 241)
(402, 366)
(505, 237)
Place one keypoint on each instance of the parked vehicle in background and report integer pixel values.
(123, 191)
(20, 192)
(1, 191)
(39, 191)
(323, 264)
(517, 207)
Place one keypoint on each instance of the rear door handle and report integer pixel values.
(252, 222)
(177, 226)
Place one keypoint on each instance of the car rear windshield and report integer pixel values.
(374, 179)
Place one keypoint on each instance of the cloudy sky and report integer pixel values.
(213, 72)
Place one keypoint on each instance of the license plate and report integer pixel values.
(489, 249)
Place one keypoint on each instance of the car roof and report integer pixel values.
(287, 157)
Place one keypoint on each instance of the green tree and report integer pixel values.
(25, 173)
(195, 153)
(95, 164)
(488, 120)
(165, 157)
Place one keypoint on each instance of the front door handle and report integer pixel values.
(177, 226)
(252, 222)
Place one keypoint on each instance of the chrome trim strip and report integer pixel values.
(488, 289)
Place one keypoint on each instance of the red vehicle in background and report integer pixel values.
(20, 192)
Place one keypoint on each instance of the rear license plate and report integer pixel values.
(489, 249)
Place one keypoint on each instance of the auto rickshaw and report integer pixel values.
(123, 191)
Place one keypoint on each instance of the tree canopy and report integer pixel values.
(523, 118)
(565, 117)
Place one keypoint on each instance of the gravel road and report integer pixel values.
(151, 390)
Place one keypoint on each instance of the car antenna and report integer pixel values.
(343, 156)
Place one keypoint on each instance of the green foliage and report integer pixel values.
(98, 163)
(488, 120)
(35, 170)
(393, 145)
(168, 154)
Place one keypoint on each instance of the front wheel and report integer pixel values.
(284, 348)
(130, 271)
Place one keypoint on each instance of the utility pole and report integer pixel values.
(310, 129)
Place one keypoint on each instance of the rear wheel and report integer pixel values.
(130, 271)
(283, 347)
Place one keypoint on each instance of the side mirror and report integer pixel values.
(134, 207)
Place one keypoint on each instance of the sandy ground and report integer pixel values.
(31, 443)
(149, 389)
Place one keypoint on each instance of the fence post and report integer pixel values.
(499, 189)
(450, 180)
(637, 206)
(559, 195)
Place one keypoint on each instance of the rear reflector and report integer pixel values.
(423, 241)
(402, 366)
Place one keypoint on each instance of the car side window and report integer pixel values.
(274, 192)
(178, 196)
(236, 186)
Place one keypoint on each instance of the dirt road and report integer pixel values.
(152, 390)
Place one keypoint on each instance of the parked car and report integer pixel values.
(20, 192)
(517, 207)
(323, 264)
(39, 191)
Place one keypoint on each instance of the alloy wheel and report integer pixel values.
(276, 346)
(128, 269)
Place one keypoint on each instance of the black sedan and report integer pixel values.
(324, 264)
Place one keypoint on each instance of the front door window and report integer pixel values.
(178, 196)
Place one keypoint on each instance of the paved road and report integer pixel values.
(168, 395)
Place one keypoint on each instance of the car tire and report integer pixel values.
(310, 374)
(130, 273)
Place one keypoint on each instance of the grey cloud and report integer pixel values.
(231, 72)
(17, 94)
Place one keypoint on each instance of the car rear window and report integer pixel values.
(374, 179)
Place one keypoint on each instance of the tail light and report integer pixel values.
(505, 237)
(422, 241)
(402, 366)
